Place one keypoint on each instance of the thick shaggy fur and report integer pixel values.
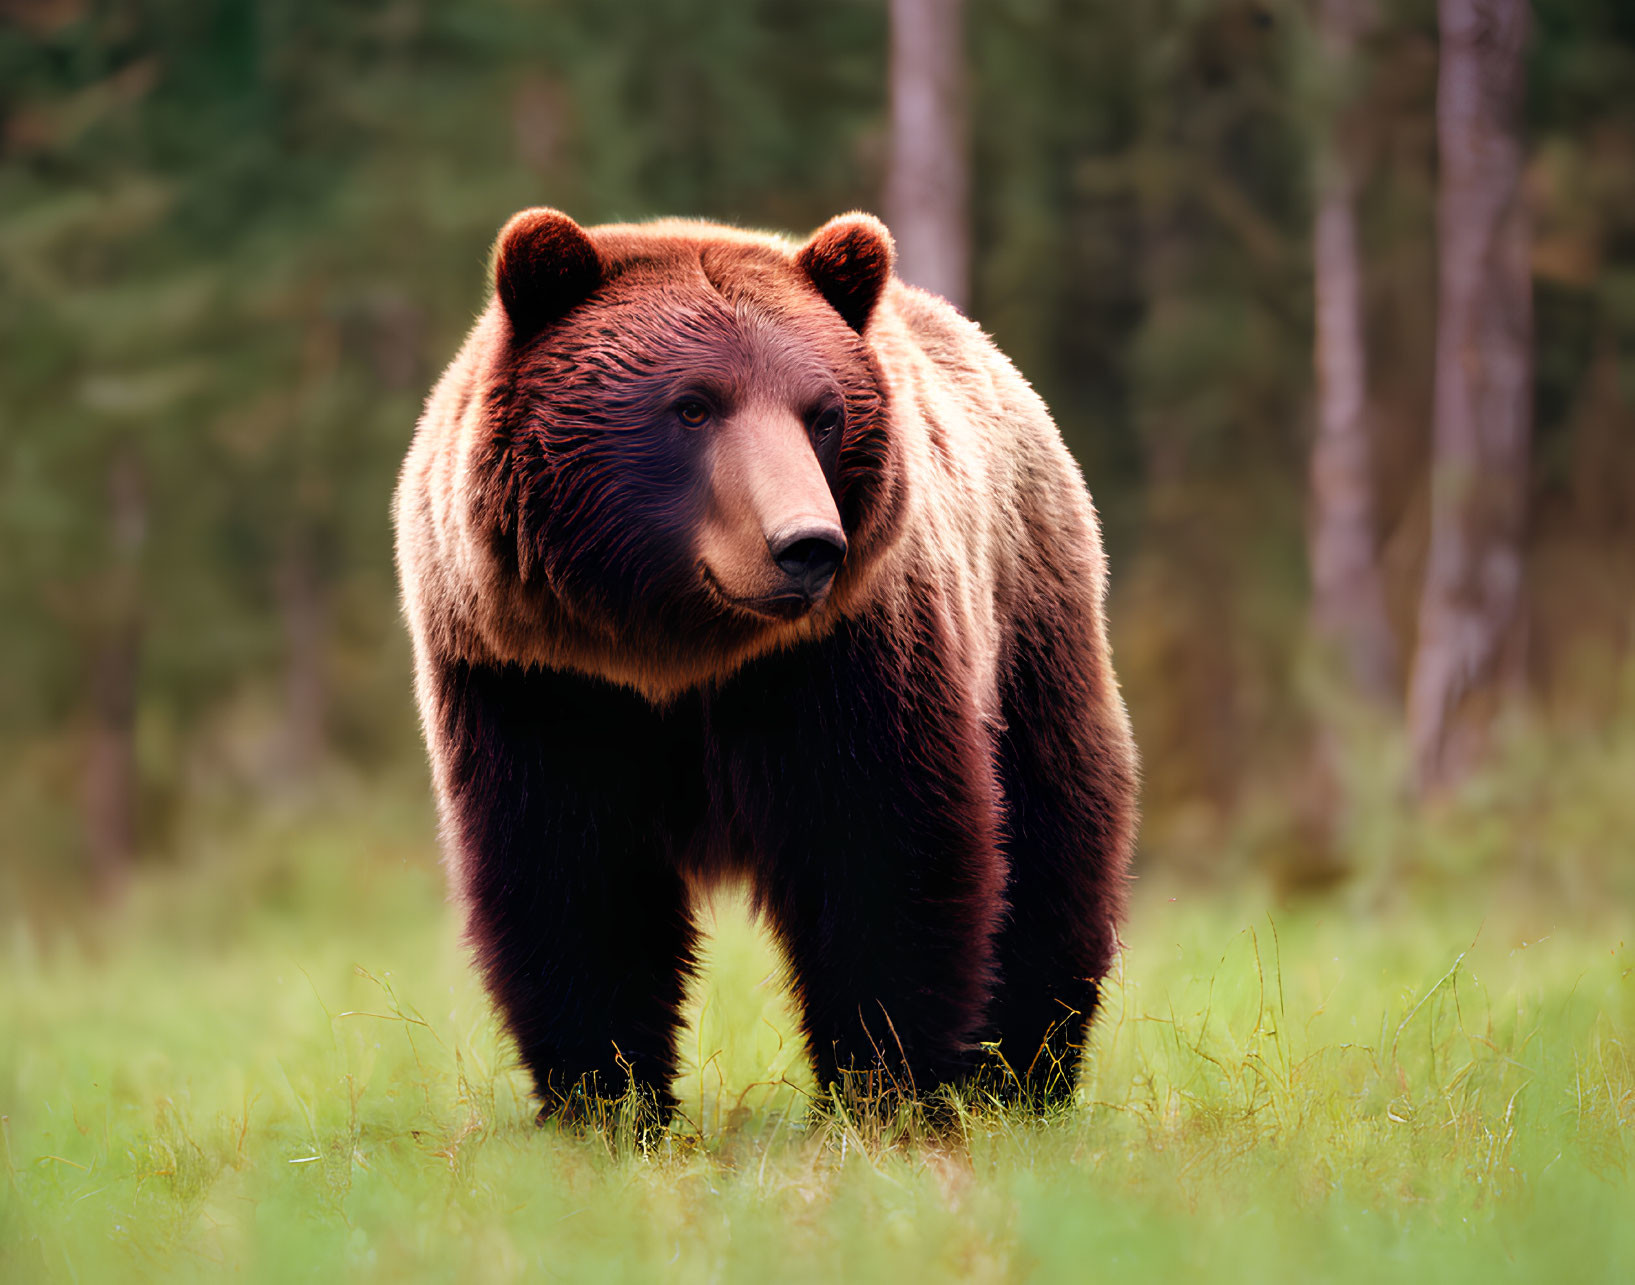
(927, 776)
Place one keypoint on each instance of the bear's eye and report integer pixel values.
(692, 412)
(826, 423)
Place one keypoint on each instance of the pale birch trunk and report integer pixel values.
(1469, 630)
(928, 185)
(1348, 593)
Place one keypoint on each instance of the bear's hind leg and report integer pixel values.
(1068, 770)
(565, 800)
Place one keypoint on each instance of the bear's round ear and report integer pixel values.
(544, 264)
(849, 260)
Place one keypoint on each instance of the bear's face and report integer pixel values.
(691, 445)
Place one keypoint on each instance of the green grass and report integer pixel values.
(276, 1064)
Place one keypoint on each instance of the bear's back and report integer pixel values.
(994, 486)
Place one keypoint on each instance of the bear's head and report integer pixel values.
(688, 450)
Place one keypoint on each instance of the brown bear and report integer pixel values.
(727, 556)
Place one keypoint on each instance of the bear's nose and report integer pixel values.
(809, 553)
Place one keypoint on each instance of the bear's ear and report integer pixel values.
(849, 260)
(544, 264)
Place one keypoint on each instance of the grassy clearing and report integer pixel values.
(284, 1068)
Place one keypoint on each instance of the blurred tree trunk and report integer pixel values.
(928, 186)
(1348, 594)
(110, 765)
(1469, 615)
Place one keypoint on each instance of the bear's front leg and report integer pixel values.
(865, 789)
(565, 803)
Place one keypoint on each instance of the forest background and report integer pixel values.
(238, 241)
(1334, 302)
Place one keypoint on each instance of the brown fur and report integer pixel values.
(541, 543)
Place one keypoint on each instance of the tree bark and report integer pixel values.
(110, 764)
(1348, 594)
(928, 186)
(1470, 609)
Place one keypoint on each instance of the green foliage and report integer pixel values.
(278, 1063)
